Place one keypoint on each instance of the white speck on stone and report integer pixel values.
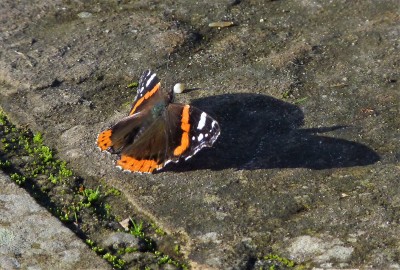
(84, 15)
(179, 88)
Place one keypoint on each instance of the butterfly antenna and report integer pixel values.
(168, 78)
(168, 59)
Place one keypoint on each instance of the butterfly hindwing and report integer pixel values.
(148, 152)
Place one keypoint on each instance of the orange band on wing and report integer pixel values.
(135, 165)
(146, 96)
(185, 126)
(104, 140)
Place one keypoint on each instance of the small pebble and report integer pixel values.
(125, 224)
(179, 88)
(84, 15)
(220, 24)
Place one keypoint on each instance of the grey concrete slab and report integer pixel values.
(31, 238)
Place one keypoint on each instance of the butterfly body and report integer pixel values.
(157, 131)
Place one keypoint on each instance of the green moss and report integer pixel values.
(107, 208)
(287, 94)
(113, 191)
(5, 164)
(3, 118)
(114, 260)
(130, 250)
(133, 85)
(53, 179)
(45, 153)
(92, 195)
(89, 242)
(21, 142)
(165, 259)
(18, 178)
(64, 171)
(94, 247)
(158, 230)
(38, 139)
(279, 261)
(177, 249)
(300, 100)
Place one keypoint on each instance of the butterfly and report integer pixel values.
(157, 131)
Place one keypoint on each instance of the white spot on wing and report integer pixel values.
(205, 144)
(193, 138)
(200, 137)
(202, 121)
(150, 80)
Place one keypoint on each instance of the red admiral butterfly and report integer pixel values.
(157, 131)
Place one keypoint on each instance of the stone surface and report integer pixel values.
(31, 238)
(306, 94)
(121, 240)
(305, 248)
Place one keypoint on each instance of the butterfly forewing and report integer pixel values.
(148, 93)
(196, 128)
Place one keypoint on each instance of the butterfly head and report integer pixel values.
(158, 109)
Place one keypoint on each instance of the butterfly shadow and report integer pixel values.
(261, 132)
